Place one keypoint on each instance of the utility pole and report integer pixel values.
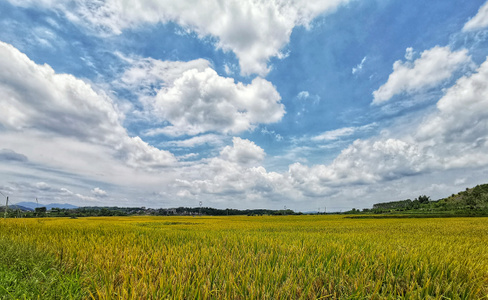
(6, 209)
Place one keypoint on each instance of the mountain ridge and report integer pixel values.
(33, 205)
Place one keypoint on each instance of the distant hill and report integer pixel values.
(15, 207)
(474, 197)
(471, 201)
(33, 205)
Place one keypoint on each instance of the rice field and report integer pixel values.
(261, 257)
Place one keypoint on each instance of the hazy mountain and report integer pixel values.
(33, 205)
(15, 207)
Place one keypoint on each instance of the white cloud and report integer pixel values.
(336, 134)
(460, 181)
(223, 179)
(449, 139)
(234, 177)
(303, 95)
(39, 103)
(458, 130)
(306, 96)
(243, 152)
(231, 69)
(434, 66)
(363, 162)
(42, 186)
(409, 53)
(359, 67)
(236, 184)
(278, 137)
(147, 75)
(479, 21)
(208, 139)
(254, 30)
(98, 192)
(188, 156)
(76, 126)
(452, 138)
(201, 101)
(44, 193)
(194, 99)
(84, 198)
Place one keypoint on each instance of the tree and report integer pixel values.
(41, 209)
(424, 199)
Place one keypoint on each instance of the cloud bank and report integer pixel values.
(452, 137)
(433, 67)
(37, 101)
(254, 30)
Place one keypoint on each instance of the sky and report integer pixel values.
(309, 105)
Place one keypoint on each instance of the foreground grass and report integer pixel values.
(27, 273)
(292, 257)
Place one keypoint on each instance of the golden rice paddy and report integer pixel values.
(264, 257)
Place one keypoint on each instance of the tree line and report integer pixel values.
(130, 211)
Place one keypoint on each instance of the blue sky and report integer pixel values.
(242, 104)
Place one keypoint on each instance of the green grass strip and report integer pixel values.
(27, 273)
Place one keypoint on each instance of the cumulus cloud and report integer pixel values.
(254, 30)
(227, 179)
(461, 122)
(479, 21)
(363, 162)
(37, 101)
(196, 100)
(235, 171)
(450, 138)
(243, 152)
(356, 166)
(433, 67)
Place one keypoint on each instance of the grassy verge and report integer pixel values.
(26, 273)
(413, 214)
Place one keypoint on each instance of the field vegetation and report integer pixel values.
(243, 257)
(471, 202)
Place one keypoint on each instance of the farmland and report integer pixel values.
(272, 257)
